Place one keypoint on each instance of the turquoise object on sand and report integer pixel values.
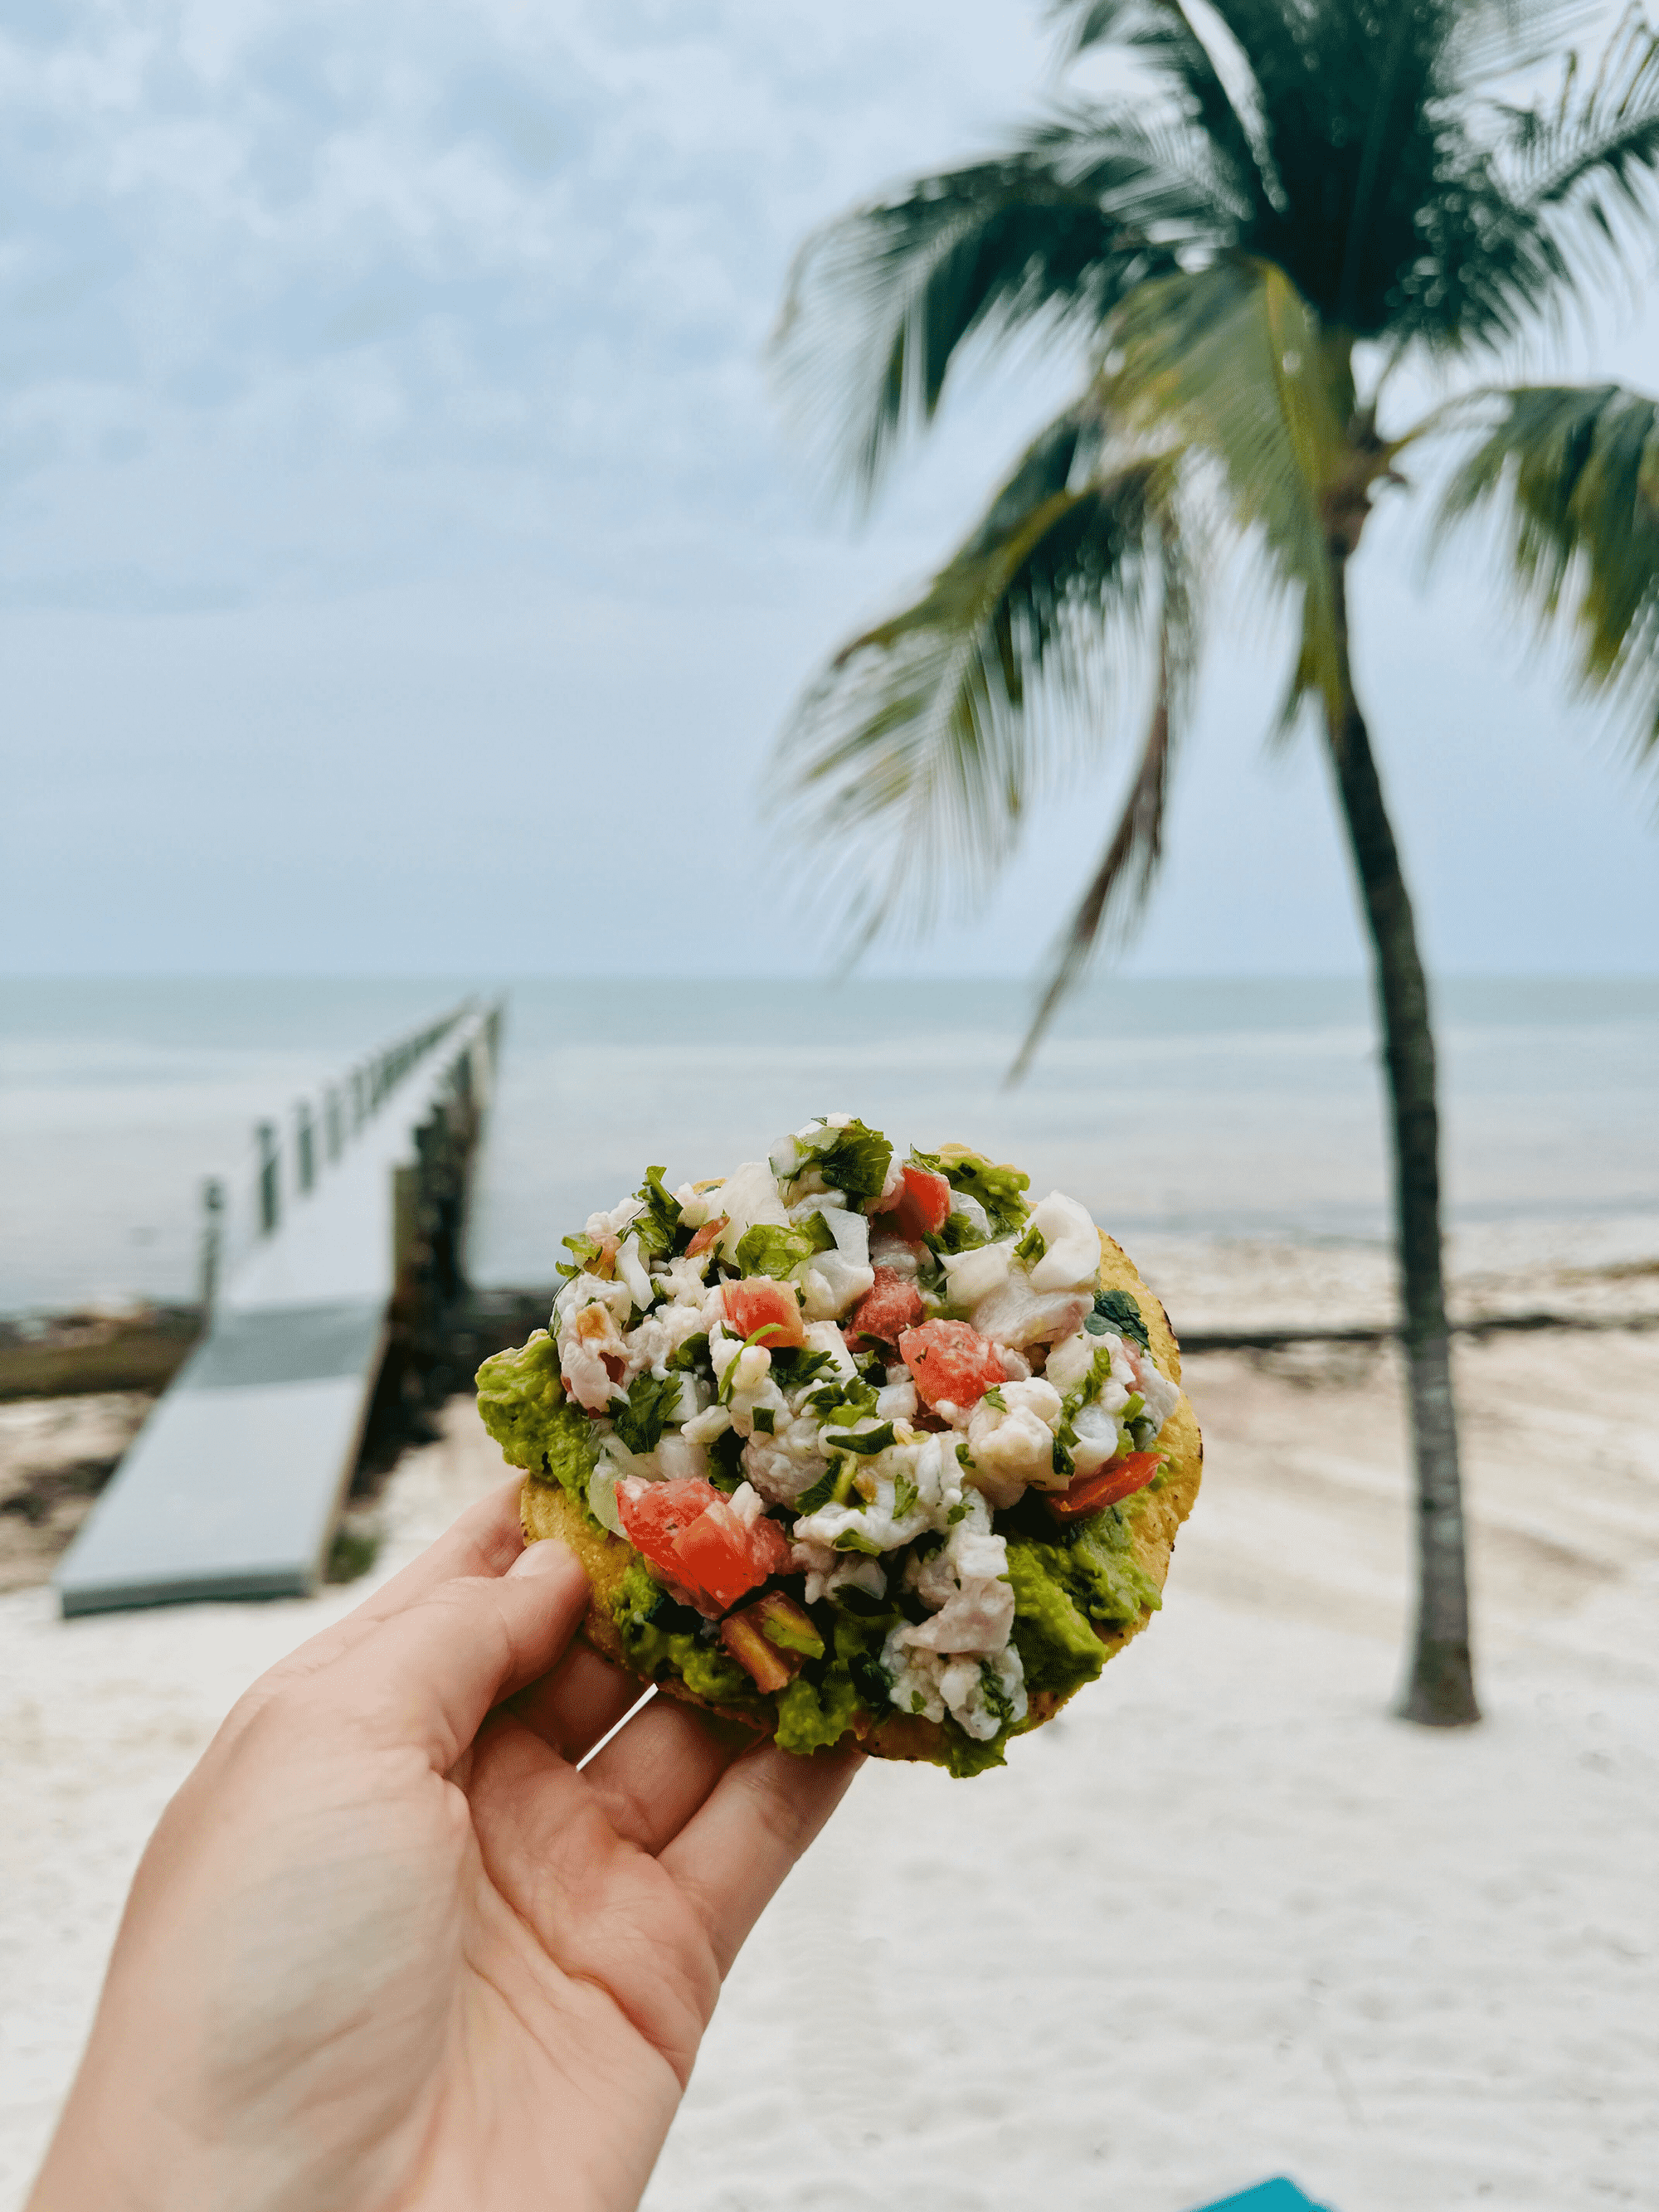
(1279, 2195)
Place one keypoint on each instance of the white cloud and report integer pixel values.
(390, 498)
(411, 236)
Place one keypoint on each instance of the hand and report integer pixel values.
(388, 1948)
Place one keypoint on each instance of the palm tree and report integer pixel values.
(1298, 197)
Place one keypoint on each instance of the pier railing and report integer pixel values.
(350, 1220)
(287, 1166)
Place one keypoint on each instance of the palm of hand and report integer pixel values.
(420, 1966)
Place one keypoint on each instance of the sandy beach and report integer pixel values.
(1226, 1919)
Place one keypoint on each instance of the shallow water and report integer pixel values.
(1192, 1109)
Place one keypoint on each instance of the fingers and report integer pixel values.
(431, 1673)
(651, 1777)
(578, 1704)
(758, 1820)
(484, 1540)
(605, 1913)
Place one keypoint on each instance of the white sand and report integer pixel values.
(1225, 1919)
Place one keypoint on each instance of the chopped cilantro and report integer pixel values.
(763, 1420)
(819, 1494)
(793, 1367)
(854, 1159)
(659, 1225)
(905, 1495)
(1118, 1311)
(584, 1251)
(918, 1703)
(694, 1352)
(997, 1189)
(1031, 1247)
(958, 1513)
(1099, 1375)
(993, 1397)
(766, 1250)
(726, 1461)
(866, 1442)
(643, 1416)
(848, 1539)
(997, 1699)
(959, 1234)
(854, 1404)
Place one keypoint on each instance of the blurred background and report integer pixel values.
(406, 569)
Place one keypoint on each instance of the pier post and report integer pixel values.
(305, 1145)
(270, 1194)
(213, 1211)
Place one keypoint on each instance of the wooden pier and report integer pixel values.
(233, 1487)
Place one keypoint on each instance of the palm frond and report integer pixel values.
(1573, 471)
(1503, 38)
(1228, 114)
(918, 749)
(882, 302)
(1231, 361)
(1593, 154)
(1118, 891)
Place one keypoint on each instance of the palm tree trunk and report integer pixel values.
(1440, 1691)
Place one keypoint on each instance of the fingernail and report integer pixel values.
(543, 1557)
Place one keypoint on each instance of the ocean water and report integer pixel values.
(1191, 1109)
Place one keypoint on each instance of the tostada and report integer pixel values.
(850, 1443)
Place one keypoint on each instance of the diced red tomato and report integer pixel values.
(759, 1302)
(769, 1547)
(653, 1514)
(1090, 1493)
(706, 1236)
(884, 1312)
(688, 1531)
(950, 1362)
(721, 1555)
(921, 1207)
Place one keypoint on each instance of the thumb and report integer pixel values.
(432, 1672)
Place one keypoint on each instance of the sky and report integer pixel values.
(405, 567)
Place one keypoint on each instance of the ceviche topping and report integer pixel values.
(872, 1428)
